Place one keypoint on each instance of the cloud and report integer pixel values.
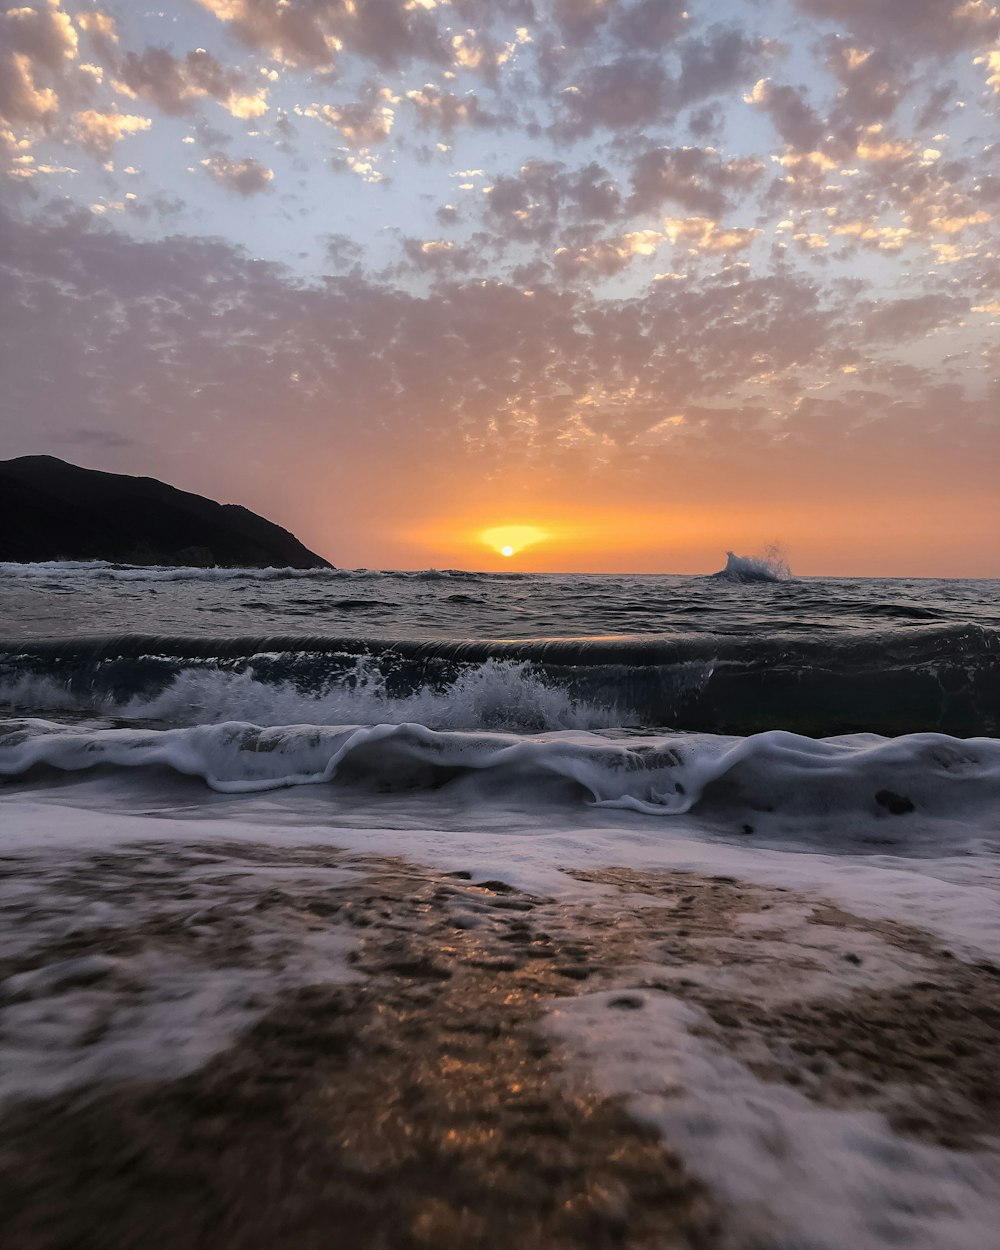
(796, 121)
(21, 98)
(543, 196)
(45, 87)
(362, 123)
(98, 132)
(992, 62)
(158, 204)
(894, 321)
(704, 235)
(546, 161)
(605, 257)
(650, 23)
(625, 94)
(46, 35)
(101, 27)
(505, 352)
(485, 384)
(445, 112)
(872, 81)
(930, 28)
(389, 33)
(174, 84)
(342, 252)
(722, 60)
(245, 177)
(297, 34)
(697, 179)
(363, 163)
(38, 49)
(438, 256)
(593, 193)
(477, 50)
(579, 20)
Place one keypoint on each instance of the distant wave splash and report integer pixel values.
(769, 567)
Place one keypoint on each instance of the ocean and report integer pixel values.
(192, 744)
(517, 652)
(868, 709)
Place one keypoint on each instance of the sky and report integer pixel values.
(618, 284)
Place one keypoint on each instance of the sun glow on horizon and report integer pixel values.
(508, 540)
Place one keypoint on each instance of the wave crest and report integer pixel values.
(497, 694)
(769, 777)
(106, 571)
(769, 567)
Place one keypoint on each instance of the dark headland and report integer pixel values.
(51, 510)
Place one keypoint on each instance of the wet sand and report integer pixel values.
(422, 1102)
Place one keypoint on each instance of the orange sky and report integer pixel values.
(661, 279)
(871, 520)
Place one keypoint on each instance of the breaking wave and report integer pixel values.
(768, 775)
(922, 678)
(104, 570)
(498, 694)
(769, 567)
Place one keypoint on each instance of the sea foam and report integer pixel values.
(106, 571)
(497, 694)
(767, 777)
(769, 567)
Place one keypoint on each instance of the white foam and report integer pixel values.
(497, 694)
(158, 1010)
(769, 567)
(774, 779)
(790, 1173)
(492, 695)
(40, 693)
(511, 836)
(105, 570)
(793, 1174)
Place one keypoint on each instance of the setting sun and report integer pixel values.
(505, 540)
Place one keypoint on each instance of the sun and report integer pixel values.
(509, 540)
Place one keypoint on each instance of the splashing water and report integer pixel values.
(769, 567)
(498, 694)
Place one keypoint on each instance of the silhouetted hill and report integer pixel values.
(51, 510)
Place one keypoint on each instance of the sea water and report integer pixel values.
(849, 713)
(750, 692)
(838, 739)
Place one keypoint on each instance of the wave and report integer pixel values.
(104, 570)
(770, 567)
(499, 694)
(772, 775)
(913, 679)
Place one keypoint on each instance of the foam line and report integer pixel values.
(929, 775)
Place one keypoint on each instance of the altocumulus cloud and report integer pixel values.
(620, 241)
(246, 176)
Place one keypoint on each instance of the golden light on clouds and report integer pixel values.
(590, 339)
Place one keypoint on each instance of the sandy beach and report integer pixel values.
(241, 1045)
